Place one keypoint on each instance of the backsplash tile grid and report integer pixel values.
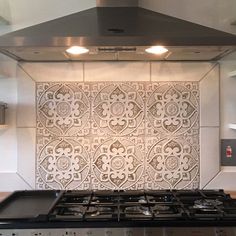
(117, 135)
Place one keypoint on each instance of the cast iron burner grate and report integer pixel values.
(150, 206)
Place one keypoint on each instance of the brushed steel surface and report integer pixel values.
(217, 231)
(106, 53)
(117, 3)
(115, 27)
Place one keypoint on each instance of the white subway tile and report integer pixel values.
(26, 107)
(209, 99)
(11, 182)
(224, 180)
(209, 154)
(117, 71)
(26, 154)
(179, 71)
(43, 72)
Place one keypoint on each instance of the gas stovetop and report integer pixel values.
(147, 206)
(118, 208)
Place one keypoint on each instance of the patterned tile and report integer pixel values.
(63, 163)
(63, 109)
(130, 135)
(172, 163)
(118, 163)
(118, 109)
(172, 108)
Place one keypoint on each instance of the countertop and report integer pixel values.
(3, 195)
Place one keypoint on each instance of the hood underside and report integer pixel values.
(117, 33)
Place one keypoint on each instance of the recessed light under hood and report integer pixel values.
(117, 30)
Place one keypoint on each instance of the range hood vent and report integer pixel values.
(117, 49)
(117, 30)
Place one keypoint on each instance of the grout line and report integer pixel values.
(83, 66)
(211, 179)
(20, 66)
(204, 76)
(26, 127)
(219, 116)
(24, 180)
(36, 138)
(209, 126)
(150, 71)
(36, 160)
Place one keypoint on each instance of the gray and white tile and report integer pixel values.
(172, 108)
(118, 109)
(112, 153)
(63, 163)
(172, 163)
(63, 109)
(118, 163)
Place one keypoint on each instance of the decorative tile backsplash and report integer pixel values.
(133, 135)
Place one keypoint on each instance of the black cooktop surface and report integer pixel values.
(123, 208)
(144, 205)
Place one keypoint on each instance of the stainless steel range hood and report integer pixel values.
(117, 30)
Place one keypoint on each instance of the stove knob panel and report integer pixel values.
(94, 232)
(129, 233)
(114, 232)
(108, 233)
(134, 232)
(154, 232)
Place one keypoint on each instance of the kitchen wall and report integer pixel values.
(19, 15)
(117, 125)
(8, 94)
(216, 14)
(227, 174)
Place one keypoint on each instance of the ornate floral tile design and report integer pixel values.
(172, 163)
(118, 109)
(118, 163)
(172, 108)
(63, 163)
(117, 135)
(63, 109)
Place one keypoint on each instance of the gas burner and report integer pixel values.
(75, 211)
(75, 200)
(103, 200)
(125, 206)
(167, 211)
(93, 211)
(161, 208)
(136, 210)
(65, 212)
(96, 211)
(133, 199)
(142, 199)
(161, 198)
(207, 203)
